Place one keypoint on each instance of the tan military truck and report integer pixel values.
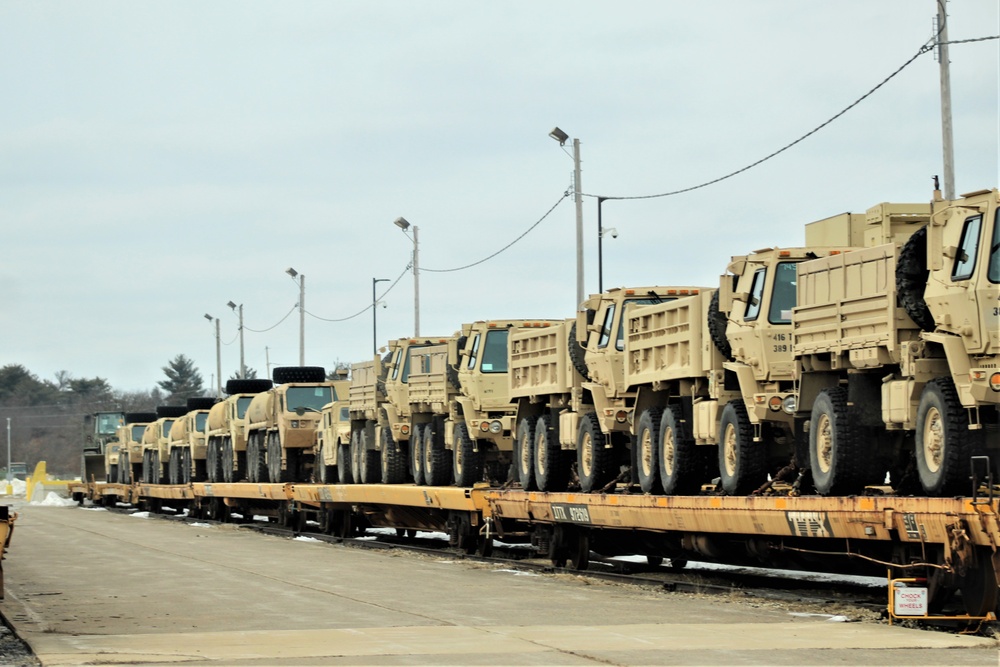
(187, 443)
(899, 348)
(366, 401)
(333, 440)
(100, 431)
(225, 455)
(568, 383)
(281, 424)
(130, 445)
(156, 443)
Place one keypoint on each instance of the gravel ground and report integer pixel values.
(13, 651)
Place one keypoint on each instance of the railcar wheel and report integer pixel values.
(681, 462)
(836, 454)
(741, 460)
(467, 462)
(592, 457)
(416, 454)
(648, 450)
(437, 471)
(979, 586)
(551, 468)
(344, 473)
(393, 460)
(944, 441)
(524, 454)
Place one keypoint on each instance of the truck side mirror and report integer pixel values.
(584, 324)
(726, 292)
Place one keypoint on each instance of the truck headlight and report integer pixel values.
(789, 404)
(496, 426)
(295, 423)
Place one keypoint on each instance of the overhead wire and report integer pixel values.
(273, 325)
(369, 306)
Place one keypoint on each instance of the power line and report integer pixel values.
(523, 234)
(929, 46)
(275, 324)
(368, 307)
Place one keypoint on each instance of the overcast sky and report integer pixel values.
(158, 160)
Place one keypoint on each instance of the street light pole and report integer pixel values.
(947, 135)
(404, 225)
(562, 137)
(302, 313)
(601, 231)
(243, 366)
(374, 314)
(8, 455)
(218, 356)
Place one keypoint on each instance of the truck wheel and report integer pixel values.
(295, 465)
(286, 374)
(551, 473)
(174, 467)
(717, 324)
(437, 472)
(416, 455)
(393, 460)
(911, 279)
(186, 466)
(944, 441)
(593, 459)
(225, 465)
(524, 457)
(648, 453)
(257, 458)
(145, 467)
(247, 386)
(212, 460)
(577, 354)
(344, 473)
(467, 462)
(836, 453)
(320, 469)
(158, 474)
(369, 471)
(123, 468)
(680, 462)
(199, 472)
(272, 450)
(741, 460)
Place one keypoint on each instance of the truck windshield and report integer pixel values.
(242, 403)
(620, 342)
(994, 271)
(137, 431)
(783, 297)
(495, 352)
(307, 397)
(167, 425)
(109, 423)
(199, 421)
(405, 376)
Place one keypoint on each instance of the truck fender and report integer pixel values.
(958, 363)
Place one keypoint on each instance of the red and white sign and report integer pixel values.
(909, 601)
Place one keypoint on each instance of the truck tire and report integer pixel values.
(286, 374)
(274, 471)
(837, 455)
(437, 467)
(911, 279)
(212, 460)
(524, 455)
(186, 466)
(467, 463)
(681, 463)
(393, 460)
(124, 468)
(593, 459)
(647, 454)
(174, 467)
(112, 474)
(157, 469)
(416, 455)
(226, 461)
(369, 467)
(551, 468)
(451, 372)
(717, 324)
(344, 473)
(943, 440)
(321, 471)
(171, 411)
(200, 403)
(257, 458)
(247, 386)
(577, 354)
(741, 460)
(140, 417)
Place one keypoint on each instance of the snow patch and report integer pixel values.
(53, 499)
(304, 538)
(140, 515)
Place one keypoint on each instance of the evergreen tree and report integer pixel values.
(183, 380)
(251, 374)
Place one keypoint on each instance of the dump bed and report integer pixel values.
(365, 394)
(429, 389)
(847, 309)
(670, 341)
(539, 363)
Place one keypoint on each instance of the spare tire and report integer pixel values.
(200, 403)
(451, 372)
(285, 374)
(577, 354)
(140, 417)
(911, 279)
(247, 386)
(717, 323)
(171, 411)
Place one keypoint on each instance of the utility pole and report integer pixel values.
(10, 488)
(375, 281)
(239, 311)
(578, 189)
(218, 356)
(403, 224)
(947, 137)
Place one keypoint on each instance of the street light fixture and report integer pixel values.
(403, 224)
(218, 356)
(602, 231)
(562, 137)
(302, 313)
(374, 314)
(239, 311)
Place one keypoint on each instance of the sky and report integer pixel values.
(159, 160)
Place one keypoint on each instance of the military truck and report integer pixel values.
(130, 446)
(280, 424)
(156, 443)
(393, 440)
(333, 439)
(899, 349)
(101, 429)
(187, 443)
(225, 455)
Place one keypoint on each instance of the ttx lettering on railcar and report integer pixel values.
(809, 524)
(570, 513)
